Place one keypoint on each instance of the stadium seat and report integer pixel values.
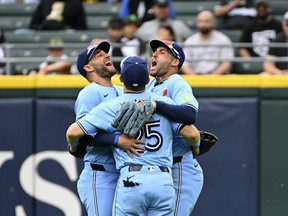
(98, 22)
(91, 9)
(41, 52)
(14, 22)
(46, 36)
(193, 7)
(101, 9)
(234, 35)
(23, 68)
(16, 10)
(279, 7)
(190, 20)
(247, 67)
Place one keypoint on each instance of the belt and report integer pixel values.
(139, 167)
(98, 167)
(177, 159)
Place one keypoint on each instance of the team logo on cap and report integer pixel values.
(168, 43)
(173, 50)
(91, 47)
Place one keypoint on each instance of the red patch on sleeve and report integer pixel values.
(165, 92)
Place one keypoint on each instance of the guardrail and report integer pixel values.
(9, 48)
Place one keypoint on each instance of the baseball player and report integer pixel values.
(166, 61)
(145, 185)
(97, 182)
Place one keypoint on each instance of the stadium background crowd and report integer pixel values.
(219, 37)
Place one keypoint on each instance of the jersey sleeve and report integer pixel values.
(85, 102)
(182, 94)
(176, 127)
(99, 118)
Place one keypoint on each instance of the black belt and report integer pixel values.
(177, 159)
(98, 167)
(139, 167)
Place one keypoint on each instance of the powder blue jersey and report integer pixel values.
(176, 88)
(157, 133)
(88, 98)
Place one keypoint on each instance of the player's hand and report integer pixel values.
(154, 104)
(130, 146)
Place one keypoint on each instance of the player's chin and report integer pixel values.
(111, 69)
(153, 73)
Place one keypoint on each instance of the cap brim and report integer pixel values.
(104, 46)
(154, 44)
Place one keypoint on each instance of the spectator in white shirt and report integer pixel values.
(132, 45)
(161, 9)
(203, 39)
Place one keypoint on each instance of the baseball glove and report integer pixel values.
(207, 141)
(132, 116)
(80, 151)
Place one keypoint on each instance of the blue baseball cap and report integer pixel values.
(174, 47)
(134, 71)
(86, 55)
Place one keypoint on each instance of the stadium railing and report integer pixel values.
(31, 55)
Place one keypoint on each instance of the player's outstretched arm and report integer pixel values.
(183, 114)
(73, 135)
(192, 136)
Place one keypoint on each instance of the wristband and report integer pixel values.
(116, 139)
(198, 143)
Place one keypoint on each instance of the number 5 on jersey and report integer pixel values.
(149, 130)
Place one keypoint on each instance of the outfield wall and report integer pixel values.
(245, 174)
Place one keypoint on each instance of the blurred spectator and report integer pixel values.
(166, 32)
(57, 61)
(2, 52)
(58, 15)
(236, 14)
(116, 33)
(19, 1)
(142, 9)
(132, 45)
(207, 36)
(274, 67)
(260, 31)
(161, 10)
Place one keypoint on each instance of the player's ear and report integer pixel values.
(88, 68)
(175, 63)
